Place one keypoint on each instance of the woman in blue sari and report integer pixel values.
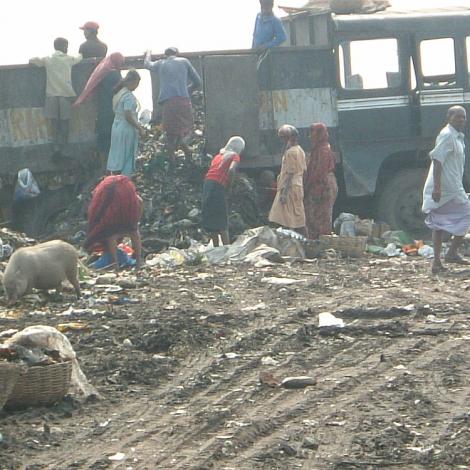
(126, 128)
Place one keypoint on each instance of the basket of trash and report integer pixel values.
(40, 385)
(353, 247)
(9, 374)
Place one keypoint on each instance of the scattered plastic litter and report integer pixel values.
(434, 319)
(282, 281)
(391, 250)
(426, 251)
(119, 457)
(345, 224)
(26, 186)
(298, 382)
(328, 319)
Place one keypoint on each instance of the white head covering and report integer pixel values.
(234, 146)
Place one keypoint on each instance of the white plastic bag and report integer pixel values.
(328, 319)
(26, 186)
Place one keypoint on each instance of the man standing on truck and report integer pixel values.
(92, 47)
(59, 91)
(444, 198)
(269, 31)
(178, 78)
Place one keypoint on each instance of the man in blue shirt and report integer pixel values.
(269, 30)
(177, 80)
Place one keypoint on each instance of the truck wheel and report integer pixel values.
(399, 202)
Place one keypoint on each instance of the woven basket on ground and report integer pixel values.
(9, 374)
(347, 246)
(41, 385)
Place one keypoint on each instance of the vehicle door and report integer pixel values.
(374, 107)
(441, 79)
(232, 101)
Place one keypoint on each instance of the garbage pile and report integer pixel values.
(261, 246)
(380, 239)
(10, 241)
(172, 199)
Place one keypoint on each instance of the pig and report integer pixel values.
(42, 266)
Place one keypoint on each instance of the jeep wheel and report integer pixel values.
(399, 202)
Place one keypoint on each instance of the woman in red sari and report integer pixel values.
(114, 213)
(320, 185)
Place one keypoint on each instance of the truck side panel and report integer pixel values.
(25, 134)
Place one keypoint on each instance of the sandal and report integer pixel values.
(457, 259)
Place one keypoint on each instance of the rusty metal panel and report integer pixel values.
(232, 101)
(24, 127)
(299, 107)
(302, 31)
(287, 27)
(25, 134)
(320, 30)
(285, 69)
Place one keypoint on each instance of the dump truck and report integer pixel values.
(372, 79)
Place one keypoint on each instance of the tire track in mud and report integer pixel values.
(349, 386)
(264, 433)
(234, 394)
(261, 428)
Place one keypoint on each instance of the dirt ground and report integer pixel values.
(392, 385)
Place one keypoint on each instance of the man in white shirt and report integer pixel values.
(59, 90)
(445, 201)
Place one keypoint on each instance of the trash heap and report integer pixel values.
(172, 198)
(379, 239)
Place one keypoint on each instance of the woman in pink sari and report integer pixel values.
(320, 186)
(102, 82)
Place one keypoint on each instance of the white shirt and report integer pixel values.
(450, 152)
(59, 73)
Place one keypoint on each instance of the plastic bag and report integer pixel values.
(426, 251)
(26, 186)
(345, 225)
(41, 336)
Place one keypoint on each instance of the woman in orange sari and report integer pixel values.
(320, 186)
(288, 206)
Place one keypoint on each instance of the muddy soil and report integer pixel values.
(391, 389)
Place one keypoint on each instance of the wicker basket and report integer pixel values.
(347, 246)
(41, 385)
(9, 374)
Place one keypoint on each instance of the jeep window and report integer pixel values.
(438, 62)
(369, 64)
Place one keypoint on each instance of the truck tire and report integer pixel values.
(32, 216)
(399, 202)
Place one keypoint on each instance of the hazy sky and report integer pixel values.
(28, 27)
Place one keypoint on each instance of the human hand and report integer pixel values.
(142, 133)
(436, 195)
(283, 198)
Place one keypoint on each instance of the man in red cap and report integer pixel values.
(92, 47)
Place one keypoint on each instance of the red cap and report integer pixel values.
(90, 25)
